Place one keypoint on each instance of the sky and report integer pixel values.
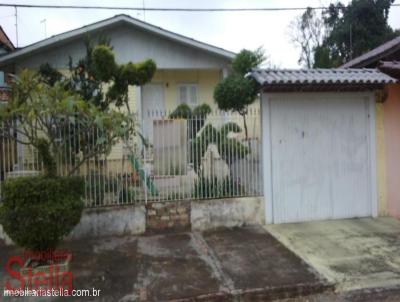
(230, 30)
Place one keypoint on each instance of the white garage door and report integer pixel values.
(320, 157)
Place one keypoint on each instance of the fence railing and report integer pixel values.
(180, 158)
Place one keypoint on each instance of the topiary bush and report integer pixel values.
(37, 212)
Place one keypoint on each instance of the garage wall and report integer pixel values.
(381, 160)
(391, 111)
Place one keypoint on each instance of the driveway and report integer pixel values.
(353, 253)
(224, 265)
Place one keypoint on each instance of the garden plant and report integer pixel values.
(49, 114)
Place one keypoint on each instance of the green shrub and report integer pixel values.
(230, 149)
(217, 188)
(201, 110)
(196, 117)
(182, 111)
(37, 212)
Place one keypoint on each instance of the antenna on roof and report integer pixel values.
(16, 25)
(45, 27)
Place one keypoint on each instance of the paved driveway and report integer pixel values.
(353, 253)
(222, 265)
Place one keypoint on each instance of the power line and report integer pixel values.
(165, 9)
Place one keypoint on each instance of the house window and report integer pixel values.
(187, 94)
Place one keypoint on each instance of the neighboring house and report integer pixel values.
(6, 46)
(7, 148)
(319, 143)
(386, 57)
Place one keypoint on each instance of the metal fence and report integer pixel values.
(179, 158)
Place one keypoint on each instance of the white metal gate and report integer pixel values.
(320, 157)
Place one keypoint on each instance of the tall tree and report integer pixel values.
(101, 82)
(89, 76)
(353, 30)
(236, 92)
(306, 32)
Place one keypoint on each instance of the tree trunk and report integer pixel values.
(246, 134)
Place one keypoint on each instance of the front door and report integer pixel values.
(152, 107)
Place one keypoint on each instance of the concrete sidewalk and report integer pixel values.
(225, 265)
(352, 253)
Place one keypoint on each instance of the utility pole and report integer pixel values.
(16, 24)
(351, 42)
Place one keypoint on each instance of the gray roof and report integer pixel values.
(391, 68)
(321, 76)
(375, 54)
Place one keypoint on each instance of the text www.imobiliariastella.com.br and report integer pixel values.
(53, 292)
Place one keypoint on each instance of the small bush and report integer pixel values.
(182, 111)
(217, 188)
(37, 212)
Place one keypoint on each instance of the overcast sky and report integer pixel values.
(230, 30)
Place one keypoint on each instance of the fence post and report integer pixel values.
(145, 174)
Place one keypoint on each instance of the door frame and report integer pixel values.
(140, 96)
(267, 150)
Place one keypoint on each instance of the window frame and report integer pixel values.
(188, 100)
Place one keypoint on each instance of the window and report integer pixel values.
(187, 94)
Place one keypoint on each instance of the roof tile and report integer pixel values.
(320, 76)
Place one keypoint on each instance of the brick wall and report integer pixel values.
(168, 216)
(4, 94)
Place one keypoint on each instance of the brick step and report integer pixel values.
(168, 216)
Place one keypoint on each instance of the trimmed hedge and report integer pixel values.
(37, 212)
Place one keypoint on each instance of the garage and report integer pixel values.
(319, 153)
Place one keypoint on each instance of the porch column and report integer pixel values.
(138, 99)
(225, 72)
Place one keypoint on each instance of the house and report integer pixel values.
(187, 70)
(319, 143)
(386, 57)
